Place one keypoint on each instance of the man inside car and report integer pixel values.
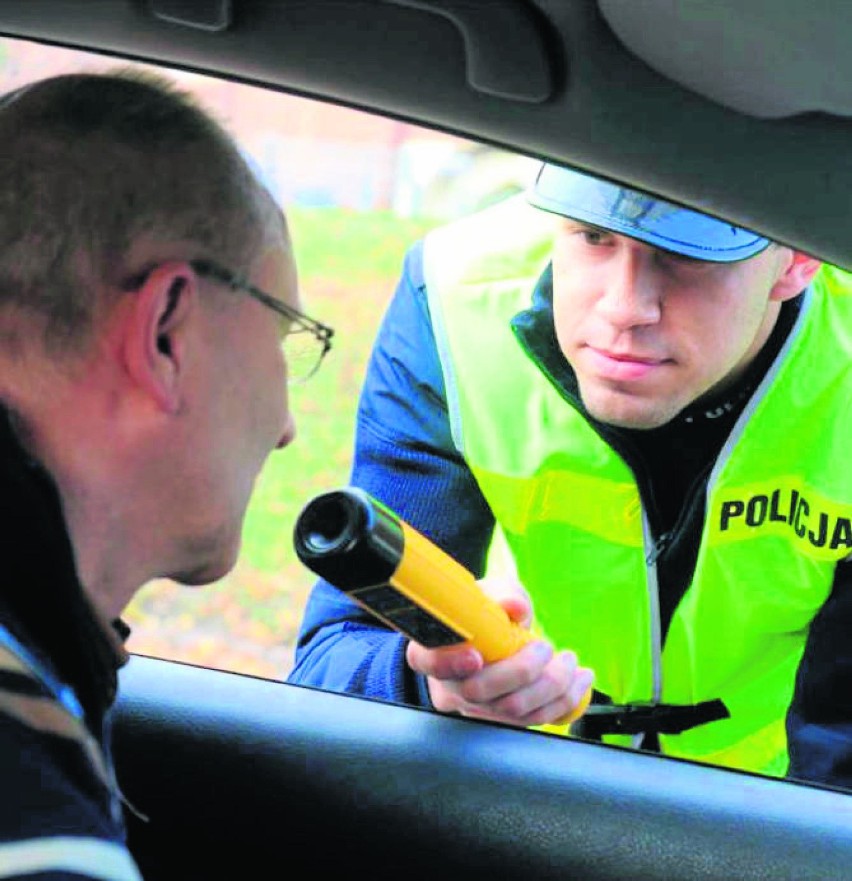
(147, 283)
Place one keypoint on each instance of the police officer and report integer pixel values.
(650, 406)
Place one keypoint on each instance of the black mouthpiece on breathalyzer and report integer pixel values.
(349, 538)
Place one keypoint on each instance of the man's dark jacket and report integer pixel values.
(56, 774)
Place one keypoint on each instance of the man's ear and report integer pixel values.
(798, 272)
(155, 334)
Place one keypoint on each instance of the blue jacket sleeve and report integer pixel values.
(405, 457)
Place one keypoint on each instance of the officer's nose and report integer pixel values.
(630, 295)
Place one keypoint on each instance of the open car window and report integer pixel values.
(367, 189)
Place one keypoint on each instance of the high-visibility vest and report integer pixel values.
(778, 512)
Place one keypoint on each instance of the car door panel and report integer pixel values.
(231, 770)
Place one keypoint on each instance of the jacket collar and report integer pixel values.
(43, 602)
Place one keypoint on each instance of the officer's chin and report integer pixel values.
(627, 412)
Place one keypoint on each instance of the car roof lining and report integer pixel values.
(720, 50)
(608, 111)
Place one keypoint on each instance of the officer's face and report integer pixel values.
(648, 332)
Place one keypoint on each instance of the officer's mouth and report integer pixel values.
(624, 366)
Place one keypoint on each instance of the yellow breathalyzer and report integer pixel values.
(363, 548)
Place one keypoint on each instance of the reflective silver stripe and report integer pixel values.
(89, 857)
(759, 393)
(653, 613)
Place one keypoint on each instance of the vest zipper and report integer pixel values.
(656, 544)
(658, 547)
(655, 635)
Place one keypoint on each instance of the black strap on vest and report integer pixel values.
(602, 719)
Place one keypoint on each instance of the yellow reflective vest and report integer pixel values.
(778, 508)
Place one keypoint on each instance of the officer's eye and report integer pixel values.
(594, 236)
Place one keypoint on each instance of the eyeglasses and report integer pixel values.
(306, 342)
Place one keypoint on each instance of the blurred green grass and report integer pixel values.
(349, 263)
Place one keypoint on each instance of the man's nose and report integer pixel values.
(289, 432)
(631, 295)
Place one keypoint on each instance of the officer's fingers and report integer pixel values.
(511, 595)
(448, 662)
(581, 697)
(561, 711)
(507, 676)
(445, 696)
(474, 694)
(442, 667)
(558, 696)
(459, 681)
(549, 701)
(552, 685)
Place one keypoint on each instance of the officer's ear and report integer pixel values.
(797, 270)
(156, 333)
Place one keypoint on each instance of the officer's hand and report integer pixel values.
(534, 686)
